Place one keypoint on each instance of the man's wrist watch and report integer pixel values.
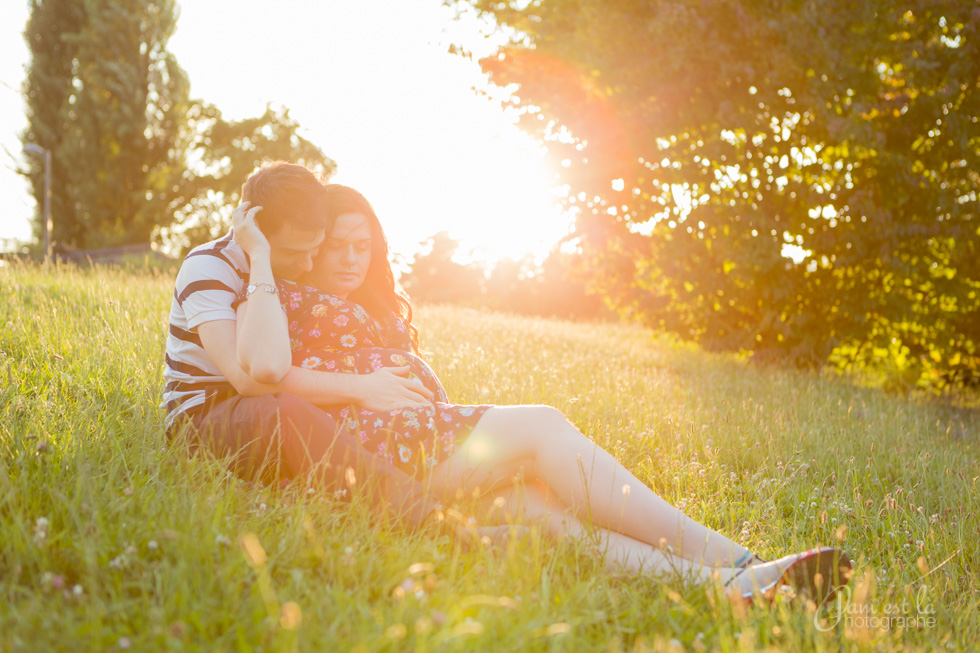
(268, 287)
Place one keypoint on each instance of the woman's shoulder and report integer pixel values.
(301, 291)
(302, 297)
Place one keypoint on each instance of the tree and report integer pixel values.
(227, 151)
(132, 152)
(49, 87)
(790, 176)
(435, 277)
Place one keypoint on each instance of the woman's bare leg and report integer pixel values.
(539, 442)
(529, 504)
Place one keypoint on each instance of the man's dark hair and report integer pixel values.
(288, 194)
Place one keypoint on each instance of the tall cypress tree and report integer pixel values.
(48, 89)
(129, 97)
(113, 106)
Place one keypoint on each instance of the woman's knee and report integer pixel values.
(545, 419)
(531, 429)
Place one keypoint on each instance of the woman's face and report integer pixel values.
(345, 256)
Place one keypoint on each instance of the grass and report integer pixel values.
(112, 539)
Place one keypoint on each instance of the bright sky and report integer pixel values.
(374, 85)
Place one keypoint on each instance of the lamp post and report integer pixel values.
(37, 150)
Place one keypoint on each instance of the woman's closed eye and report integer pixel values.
(359, 246)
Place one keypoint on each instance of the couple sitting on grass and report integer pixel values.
(291, 350)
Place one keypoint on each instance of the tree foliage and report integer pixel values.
(133, 155)
(552, 289)
(787, 176)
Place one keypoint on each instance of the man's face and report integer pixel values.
(345, 257)
(293, 250)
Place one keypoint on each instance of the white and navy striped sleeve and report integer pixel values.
(209, 280)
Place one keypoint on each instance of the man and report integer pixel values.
(266, 418)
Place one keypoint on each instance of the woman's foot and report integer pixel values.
(818, 573)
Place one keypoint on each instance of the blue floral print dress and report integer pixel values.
(335, 335)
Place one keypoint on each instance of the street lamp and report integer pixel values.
(37, 150)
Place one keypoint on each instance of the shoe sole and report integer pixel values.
(818, 573)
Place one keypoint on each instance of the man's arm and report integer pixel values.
(383, 390)
(263, 336)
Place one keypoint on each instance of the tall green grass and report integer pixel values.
(113, 539)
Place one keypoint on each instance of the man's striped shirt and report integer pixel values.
(209, 280)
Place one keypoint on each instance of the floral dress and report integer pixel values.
(335, 335)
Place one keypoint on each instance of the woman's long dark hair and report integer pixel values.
(378, 294)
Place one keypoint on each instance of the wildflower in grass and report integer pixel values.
(222, 541)
(41, 529)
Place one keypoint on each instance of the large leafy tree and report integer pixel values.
(49, 87)
(788, 176)
(134, 157)
(218, 155)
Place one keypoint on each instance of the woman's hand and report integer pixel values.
(389, 388)
(247, 232)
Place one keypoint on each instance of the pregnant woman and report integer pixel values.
(345, 315)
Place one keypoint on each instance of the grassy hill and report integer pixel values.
(113, 539)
